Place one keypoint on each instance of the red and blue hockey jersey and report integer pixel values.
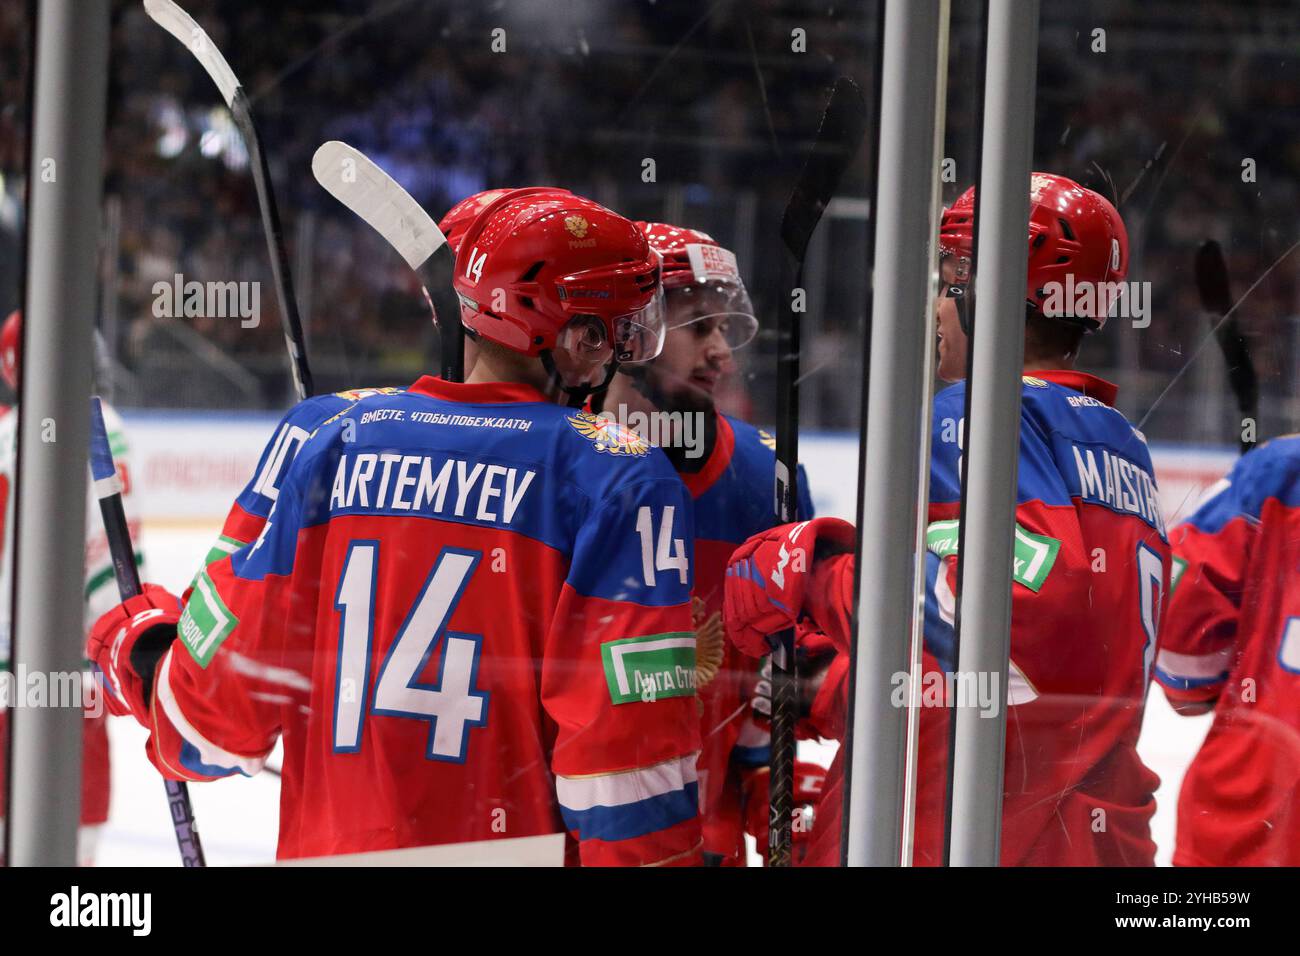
(1090, 569)
(467, 617)
(1090, 566)
(1231, 639)
(249, 512)
(733, 494)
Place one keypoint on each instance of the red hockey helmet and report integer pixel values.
(547, 271)
(702, 281)
(11, 336)
(1076, 237)
(459, 216)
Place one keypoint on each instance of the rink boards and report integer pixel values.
(188, 467)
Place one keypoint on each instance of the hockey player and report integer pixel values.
(101, 589)
(467, 615)
(249, 512)
(727, 465)
(1231, 643)
(1091, 567)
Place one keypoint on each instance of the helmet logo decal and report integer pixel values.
(712, 262)
(577, 226)
(1037, 183)
(1114, 254)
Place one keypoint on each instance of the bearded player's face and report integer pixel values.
(951, 340)
(694, 359)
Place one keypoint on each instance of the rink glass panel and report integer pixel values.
(1176, 114)
(15, 64)
(663, 113)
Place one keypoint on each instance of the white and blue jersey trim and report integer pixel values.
(622, 806)
(198, 754)
(1192, 671)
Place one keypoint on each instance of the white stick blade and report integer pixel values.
(353, 179)
(181, 25)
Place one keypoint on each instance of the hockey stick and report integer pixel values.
(353, 179)
(841, 130)
(1216, 300)
(108, 489)
(181, 25)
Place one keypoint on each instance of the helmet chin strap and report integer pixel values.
(576, 395)
(965, 310)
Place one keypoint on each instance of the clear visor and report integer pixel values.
(638, 337)
(720, 306)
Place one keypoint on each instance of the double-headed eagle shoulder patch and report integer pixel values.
(608, 435)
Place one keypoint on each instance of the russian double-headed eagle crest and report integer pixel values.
(577, 226)
(608, 435)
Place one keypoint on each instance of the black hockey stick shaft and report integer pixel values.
(841, 130)
(294, 339)
(1216, 299)
(172, 18)
(108, 490)
(435, 275)
(785, 690)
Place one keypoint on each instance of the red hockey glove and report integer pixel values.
(816, 664)
(126, 645)
(767, 575)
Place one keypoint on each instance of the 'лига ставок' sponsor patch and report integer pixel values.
(649, 668)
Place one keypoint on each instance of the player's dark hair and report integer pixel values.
(1050, 339)
(511, 365)
(486, 346)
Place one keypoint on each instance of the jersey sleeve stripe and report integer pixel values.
(626, 787)
(753, 745)
(1187, 683)
(751, 756)
(1187, 671)
(624, 806)
(631, 820)
(198, 754)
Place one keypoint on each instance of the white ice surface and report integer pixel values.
(238, 818)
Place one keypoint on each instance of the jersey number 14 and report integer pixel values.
(450, 705)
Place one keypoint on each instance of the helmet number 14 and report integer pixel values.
(474, 268)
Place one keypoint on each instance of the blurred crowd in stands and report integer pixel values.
(723, 96)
